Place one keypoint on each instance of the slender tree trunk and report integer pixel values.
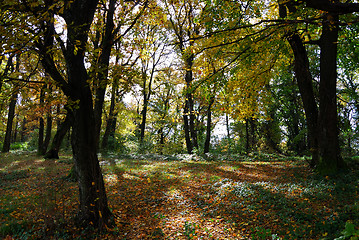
(23, 130)
(103, 64)
(186, 128)
(330, 158)
(40, 141)
(47, 133)
(61, 131)
(189, 108)
(10, 118)
(207, 143)
(305, 85)
(144, 108)
(162, 139)
(111, 121)
(269, 134)
(252, 135)
(192, 121)
(8, 68)
(14, 136)
(247, 136)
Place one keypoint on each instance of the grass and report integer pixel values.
(260, 196)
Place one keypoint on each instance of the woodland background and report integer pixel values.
(219, 82)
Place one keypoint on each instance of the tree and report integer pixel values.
(152, 43)
(182, 22)
(12, 105)
(122, 75)
(62, 129)
(330, 160)
(78, 16)
(10, 119)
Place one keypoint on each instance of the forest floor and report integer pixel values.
(259, 196)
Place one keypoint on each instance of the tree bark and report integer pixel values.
(62, 129)
(23, 129)
(247, 136)
(40, 141)
(189, 114)
(305, 85)
(14, 134)
(144, 107)
(47, 133)
(207, 143)
(103, 66)
(186, 128)
(93, 207)
(330, 161)
(112, 116)
(10, 118)
(8, 68)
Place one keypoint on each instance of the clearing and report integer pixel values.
(260, 196)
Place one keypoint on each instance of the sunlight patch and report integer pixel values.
(228, 168)
(111, 179)
(128, 176)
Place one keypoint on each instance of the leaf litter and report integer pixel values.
(163, 198)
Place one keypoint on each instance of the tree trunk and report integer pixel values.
(209, 127)
(23, 129)
(330, 159)
(252, 135)
(47, 133)
(305, 85)
(8, 68)
(62, 129)
(186, 128)
(189, 107)
(10, 118)
(103, 66)
(144, 108)
(111, 121)
(14, 136)
(247, 136)
(93, 200)
(93, 207)
(40, 141)
(162, 139)
(192, 121)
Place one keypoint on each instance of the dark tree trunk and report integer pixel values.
(111, 121)
(93, 206)
(228, 127)
(144, 107)
(40, 141)
(23, 130)
(8, 68)
(247, 136)
(252, 134)
(192, 121)
(186, 129)
(162, 139)
(103, 65)
(269, 131)
(330, 159)
(208, 127)
(10, 118)
(14, 136)
(47, 133)
(189, 114)
(93, 199)
(304, 80)
(62, 129)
